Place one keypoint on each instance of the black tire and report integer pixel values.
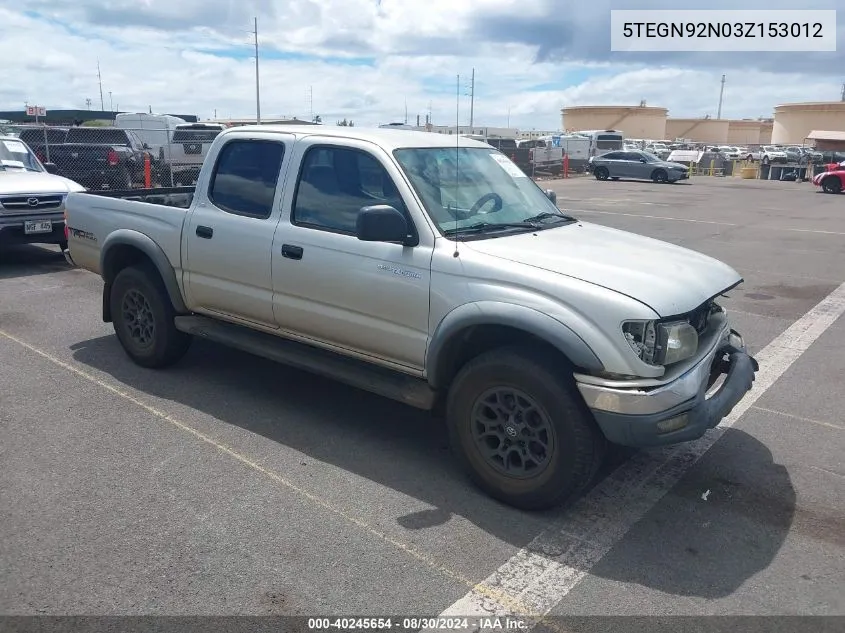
(660, 176)
(576, 445)
(765, 160)
(601, 173)
(831, 184)
(164, 344)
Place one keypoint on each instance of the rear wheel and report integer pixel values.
(144, 318)
(520, 429)
(601, 173)
(832, 184)
(660, 176)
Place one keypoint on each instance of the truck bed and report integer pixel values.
(157, 214)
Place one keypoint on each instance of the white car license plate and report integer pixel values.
(38, 226)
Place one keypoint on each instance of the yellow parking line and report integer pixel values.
(501, 598)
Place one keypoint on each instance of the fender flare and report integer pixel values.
(145, 244)
(518, 317)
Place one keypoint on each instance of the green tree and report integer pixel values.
(346, 123)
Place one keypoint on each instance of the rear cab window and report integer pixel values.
(98, 136)
(245, 177)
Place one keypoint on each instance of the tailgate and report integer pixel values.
(80, 158)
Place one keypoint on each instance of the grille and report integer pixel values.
(31, 203)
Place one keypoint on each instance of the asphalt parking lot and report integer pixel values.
(231, 485)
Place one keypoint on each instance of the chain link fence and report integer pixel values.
(124, 158)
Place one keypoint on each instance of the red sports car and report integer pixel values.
(831, 181)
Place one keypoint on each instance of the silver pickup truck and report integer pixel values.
(428, 269)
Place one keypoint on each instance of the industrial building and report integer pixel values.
(634, 121)
(73, 117)
(793, 122)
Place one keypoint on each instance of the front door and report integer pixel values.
(371, 298)
(228, 237)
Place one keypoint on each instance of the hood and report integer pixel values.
(670, 279)
(673, 164)
(24, 182)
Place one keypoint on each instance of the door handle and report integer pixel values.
(291, 252)
(205, 232)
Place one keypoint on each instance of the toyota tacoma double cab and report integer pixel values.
(431, 270)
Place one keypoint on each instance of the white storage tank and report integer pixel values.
(634, 121)
(794, 121)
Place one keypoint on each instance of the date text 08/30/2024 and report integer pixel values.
(414, 623)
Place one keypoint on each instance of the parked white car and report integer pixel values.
(32, 199)
(768, 154)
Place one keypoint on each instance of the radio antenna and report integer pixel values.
(457, 157)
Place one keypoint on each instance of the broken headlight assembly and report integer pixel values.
(661, 343)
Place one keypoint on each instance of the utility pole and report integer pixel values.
(100, 79)
(111, 103)
(843, 92)
(721, 95)
(311, 103)
(471, 100)
(406, 112)
(257, 92)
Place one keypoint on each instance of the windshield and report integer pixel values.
(473, 188)
(608, 141)
(16, 155)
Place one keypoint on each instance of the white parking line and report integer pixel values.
(662, 217)
(547, 569)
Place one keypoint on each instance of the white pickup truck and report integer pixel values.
(431, 270)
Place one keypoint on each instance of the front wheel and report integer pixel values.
(660, 176)
(144, 318)
(831, 184)
(601, 173)
(520, 429)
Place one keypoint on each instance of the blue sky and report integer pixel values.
(364, 59)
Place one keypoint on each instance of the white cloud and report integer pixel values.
(166, 54)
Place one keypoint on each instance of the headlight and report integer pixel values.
(661, 343)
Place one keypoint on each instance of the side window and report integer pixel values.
(335, 183)
(245, 177)
(613, 156)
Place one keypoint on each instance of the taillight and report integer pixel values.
(112, 157)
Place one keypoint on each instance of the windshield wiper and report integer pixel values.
(546, 215)
(486, 227)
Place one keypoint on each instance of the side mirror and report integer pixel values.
(51, 168)
(551, 195)
(382, 223)
(145, 146)
(643, 160)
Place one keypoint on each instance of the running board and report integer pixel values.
(390, 384)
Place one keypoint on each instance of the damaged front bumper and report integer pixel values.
(680, 410)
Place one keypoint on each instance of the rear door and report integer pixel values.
(229, 234)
